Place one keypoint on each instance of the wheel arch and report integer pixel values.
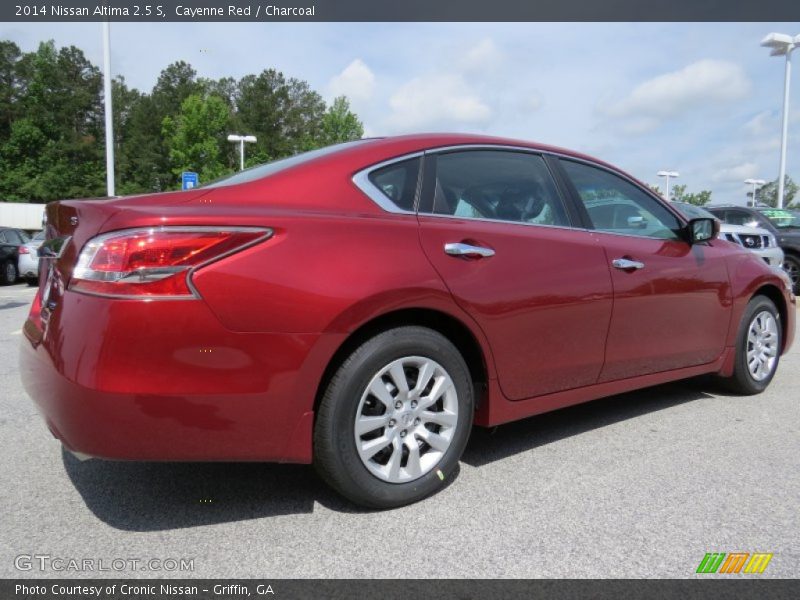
(444, 323)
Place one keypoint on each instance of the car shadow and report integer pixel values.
(152, 496)
(489, 445)
(156, 496)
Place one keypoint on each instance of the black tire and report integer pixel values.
(742, 381)
(791, 264)
(8, 273)
(336, 456)
(32, 281)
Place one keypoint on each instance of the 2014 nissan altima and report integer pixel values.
(363, 305)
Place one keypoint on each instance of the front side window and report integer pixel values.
(497, 185)
(617, 206)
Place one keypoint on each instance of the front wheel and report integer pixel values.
(395, 418)
(758, 348)
(791, 264)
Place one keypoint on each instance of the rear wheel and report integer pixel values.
(758, 348)
(395, 419)
(8, 273)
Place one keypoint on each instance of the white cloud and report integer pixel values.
(356, 81)
(436, 100)
(483, 56)
(701, 84)
(736, 173)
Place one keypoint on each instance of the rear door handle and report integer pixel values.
(467, 250)
(626, 264)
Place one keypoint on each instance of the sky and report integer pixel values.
(703, 99)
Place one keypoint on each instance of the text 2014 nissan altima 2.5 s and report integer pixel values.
(363, 305)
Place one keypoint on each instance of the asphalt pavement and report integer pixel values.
(638, 485)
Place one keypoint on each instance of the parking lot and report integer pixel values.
(638, 485)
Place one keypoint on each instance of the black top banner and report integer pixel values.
(399, 10)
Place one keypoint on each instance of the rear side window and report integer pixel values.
(617, 206)
(398, 182)
(13, 237)
(498, 185)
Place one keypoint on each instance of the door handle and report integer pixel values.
(626, 264)
(467, 250)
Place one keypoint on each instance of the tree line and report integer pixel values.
(766, 194)
(52, 143)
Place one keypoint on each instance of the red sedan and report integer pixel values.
(362, 305)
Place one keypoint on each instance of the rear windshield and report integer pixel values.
(275, 166)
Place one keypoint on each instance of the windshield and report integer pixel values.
(690, 211)
(275, 166)
(38, 236)
(781, 218)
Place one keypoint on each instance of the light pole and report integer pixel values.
(782, 45)
(756, 183)
(109, 114)
(242, 139)
(668, 175)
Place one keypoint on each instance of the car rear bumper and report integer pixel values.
(28, 266)
(139, 380)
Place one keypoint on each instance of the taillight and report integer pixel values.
(24, 250)
(156, 262)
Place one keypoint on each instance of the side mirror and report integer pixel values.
(702, 230)
(637, 222)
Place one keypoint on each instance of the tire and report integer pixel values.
(32, 281)
(8, 273)
(760, 314)
(791, 264)
(388, 472)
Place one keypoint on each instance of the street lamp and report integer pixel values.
(109, 113)
(782, 45)
(668, 175)
(756, 183)
(242, 139)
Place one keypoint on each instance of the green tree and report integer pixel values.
(340, 124)
(195, 137)
(284, 114)
(679, 194)
(54, 148)
(768, 193)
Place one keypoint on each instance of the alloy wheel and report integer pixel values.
(762, 345)
(792, 269)
(406, 419)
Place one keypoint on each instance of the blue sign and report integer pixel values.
(189, 180)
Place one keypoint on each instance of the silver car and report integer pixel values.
(29, 259)
(757, 240)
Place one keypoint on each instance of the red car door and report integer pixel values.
(493, 225)
(671, 299)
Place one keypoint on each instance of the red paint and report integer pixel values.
(233, 374)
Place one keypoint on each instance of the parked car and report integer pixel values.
(783, 224)
(361, 306)
(29, 259)
(757, 240)
(11, 240)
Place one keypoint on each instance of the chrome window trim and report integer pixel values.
(362, 181)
